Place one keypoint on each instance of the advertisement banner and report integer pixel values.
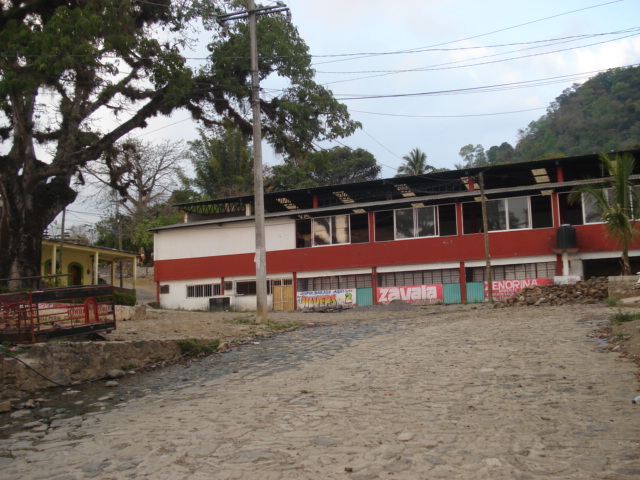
(327, 299)
(414, 294)
(508, 288)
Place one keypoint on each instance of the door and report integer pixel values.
(282, 291)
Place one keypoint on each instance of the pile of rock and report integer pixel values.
(589, 291)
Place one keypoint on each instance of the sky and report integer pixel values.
(440, 74)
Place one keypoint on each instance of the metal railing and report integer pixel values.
(42, 315)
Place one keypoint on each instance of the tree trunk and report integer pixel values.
(626, 265)
(25, 215)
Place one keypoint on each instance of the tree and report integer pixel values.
(143, 174)
(617, 203)
(327, 167)
(502, 154)
(79, 75)
(601, 115)
(415, 163)
(472, 156)
(223, 163)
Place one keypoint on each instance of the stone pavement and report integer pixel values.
(492, 395)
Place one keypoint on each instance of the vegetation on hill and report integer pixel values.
(600, 115)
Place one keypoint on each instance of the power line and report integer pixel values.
(445, 66)
(450, 116)
(483, 89)
(500, 30)
(478, 47)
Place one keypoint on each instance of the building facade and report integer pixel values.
(418, 239)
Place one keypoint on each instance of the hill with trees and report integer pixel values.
(600, 115)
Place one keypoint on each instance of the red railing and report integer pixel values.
(41, 315)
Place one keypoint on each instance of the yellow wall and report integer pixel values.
(68, 258)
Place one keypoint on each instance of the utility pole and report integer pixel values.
(485, 228)
(258, 181)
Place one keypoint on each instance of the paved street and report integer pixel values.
(509, 394)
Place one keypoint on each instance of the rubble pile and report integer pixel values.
(588, 291)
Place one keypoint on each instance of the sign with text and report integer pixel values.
(326, 299)
(508, 288)
(414, 294)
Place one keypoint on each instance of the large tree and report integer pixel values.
(616, 202)
(78, 75)
(222, 162)
(141, 174)
(326, 167)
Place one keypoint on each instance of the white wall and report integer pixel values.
(177, 296)
(222, 239)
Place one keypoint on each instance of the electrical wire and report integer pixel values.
(450, 116)
(483, 89)
(504, 29)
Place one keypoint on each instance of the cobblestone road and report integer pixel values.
(464, 395)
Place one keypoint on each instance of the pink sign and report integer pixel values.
(508, 288)
(415, 294)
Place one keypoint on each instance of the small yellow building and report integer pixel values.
(80, 262)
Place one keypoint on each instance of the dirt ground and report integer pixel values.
(240, 327)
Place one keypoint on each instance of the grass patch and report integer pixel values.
(621, 317)
(276, 327)
(127, 368)
(244, 320)
(613, 301)
(192, 348)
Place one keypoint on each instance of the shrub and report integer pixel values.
(192, 348)
(121, 297)
(621, 317)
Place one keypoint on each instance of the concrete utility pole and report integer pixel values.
(487, 252)
(258, 182)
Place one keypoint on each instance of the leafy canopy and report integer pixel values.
(326, 167)
(79, 75)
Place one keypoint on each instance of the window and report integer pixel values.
(205, 290)
(581, 212)
(541, 216)
(359, 227)
(416, 222)
(334, 230)
(248, 287)
(330, 230)
(164, 289)
(335, 282)
(419, 277)
(384, 226)
(303, 233)
(513, 272)
(504, 214)
(590, 211)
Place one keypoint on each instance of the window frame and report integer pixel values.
(203, 290)
(415, 219)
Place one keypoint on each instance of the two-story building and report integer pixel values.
(413, 238)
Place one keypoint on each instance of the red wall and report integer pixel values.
(461, 248)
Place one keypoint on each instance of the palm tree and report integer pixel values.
(415, 163)
(617, 203)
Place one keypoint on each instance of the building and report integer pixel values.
(414, 238)
(80, 262)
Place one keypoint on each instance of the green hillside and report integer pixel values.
(601, 115)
